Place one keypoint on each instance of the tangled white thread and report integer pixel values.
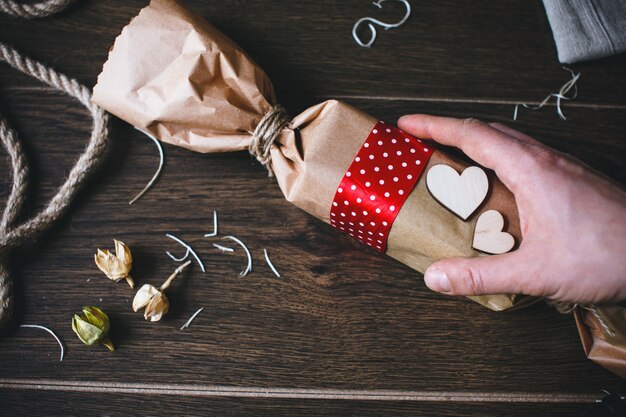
(371, 22)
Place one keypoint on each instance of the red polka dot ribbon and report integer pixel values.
(374, 188)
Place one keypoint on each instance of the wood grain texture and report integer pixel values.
(448, 49)
(28, 403)
(332, 322)
(343, 317)
(460, 192)
(489, 236)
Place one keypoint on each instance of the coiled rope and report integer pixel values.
(12, 233)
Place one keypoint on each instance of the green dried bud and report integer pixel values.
(93, 327)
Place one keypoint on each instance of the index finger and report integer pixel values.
(481, 142)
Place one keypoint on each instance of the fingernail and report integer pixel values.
(402, 117)
(437, 280)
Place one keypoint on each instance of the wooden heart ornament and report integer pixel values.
(461, 194)
(488, 234)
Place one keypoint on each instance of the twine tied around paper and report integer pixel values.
(12, 234)
(266, 132)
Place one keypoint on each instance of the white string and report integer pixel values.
(223, 248)
(214, 232)
(245, 248)
(175, 259)
(384, 25)
(184, 326)
(561, 95)
(158, 171)
(189, 248)
(270, 264)
(36, 326)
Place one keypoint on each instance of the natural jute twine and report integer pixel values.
(266, 132)
(33, 10)
(12, 234)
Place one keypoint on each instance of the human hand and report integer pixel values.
(573, 220)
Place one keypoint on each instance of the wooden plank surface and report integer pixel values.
(498, 51)
(342, 317)
(27, 403)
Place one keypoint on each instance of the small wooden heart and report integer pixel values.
(488, 234)
(461, 194)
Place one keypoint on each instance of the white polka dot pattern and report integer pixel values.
(371, 197)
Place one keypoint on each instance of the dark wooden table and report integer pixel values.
(345, 331)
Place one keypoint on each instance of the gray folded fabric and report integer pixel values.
(587, 29)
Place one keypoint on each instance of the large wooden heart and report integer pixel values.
(461, 194)
(488, 235)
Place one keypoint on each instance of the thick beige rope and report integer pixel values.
(266, 133)
(13, 235)
(33, 10)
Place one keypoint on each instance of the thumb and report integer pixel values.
(477, 276)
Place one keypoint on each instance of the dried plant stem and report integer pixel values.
(245, 248)
(189, 248)
(214, 232)
(176, 272)
(158, 171)
(36, 326)
(184, 326)
(270, 264)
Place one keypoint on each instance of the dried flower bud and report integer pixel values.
(92, 327)
(154, 299)
(116, 267)
(143, 296)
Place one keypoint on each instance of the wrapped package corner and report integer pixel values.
(602, 332)
(173, 75)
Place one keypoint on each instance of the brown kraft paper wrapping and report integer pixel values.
(176, 77)
(603, 336)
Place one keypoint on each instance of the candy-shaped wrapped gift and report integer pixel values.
(174, 76)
